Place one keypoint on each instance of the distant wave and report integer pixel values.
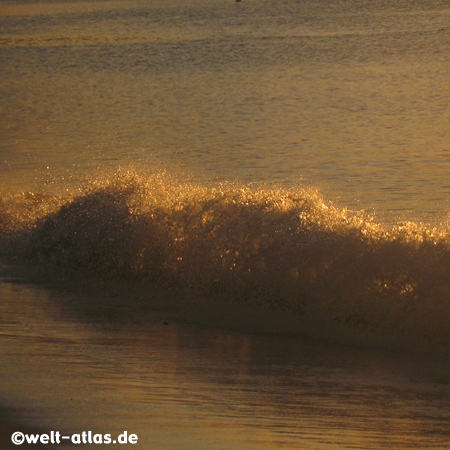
(287, 249)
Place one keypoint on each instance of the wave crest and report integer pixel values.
(286, 248)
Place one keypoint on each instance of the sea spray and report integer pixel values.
(286, 249)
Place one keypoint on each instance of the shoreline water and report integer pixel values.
(155, 373)
(102, 301)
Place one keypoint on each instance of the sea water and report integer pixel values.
(347, 96)
(249, 167)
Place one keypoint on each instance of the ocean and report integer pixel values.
(225, 225)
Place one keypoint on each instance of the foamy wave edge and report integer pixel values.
(286, 249)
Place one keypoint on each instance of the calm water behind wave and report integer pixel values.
(349, 96)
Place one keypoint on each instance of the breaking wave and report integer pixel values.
(284, 249)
